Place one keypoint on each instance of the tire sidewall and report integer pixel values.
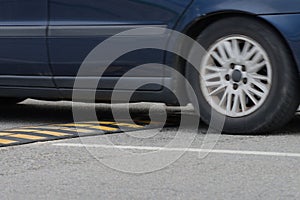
(280, 71)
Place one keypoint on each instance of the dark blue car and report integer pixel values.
(250, 72)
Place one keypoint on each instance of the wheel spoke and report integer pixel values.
(260, 77)
(221, 50)
(236, 103)
(239, 81)
(215, 68)
(260, 85)
(217, 58)
(250, 53)
(251, 96)
(213, 84)
(221, 103)
(257, 67)
(245, 49)
(211, 76)
(218, 90)
(236, 48)
(242, 100)
(256, 92)
(258, 56)
(229, 49)
(229, 102)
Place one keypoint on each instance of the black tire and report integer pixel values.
(10, 101)
(283, 99)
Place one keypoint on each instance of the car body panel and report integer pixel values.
(283, 15)
(289, 26)
(77, 27)
(202, 8)
(254, 6)
(33, 65)
(23, 46)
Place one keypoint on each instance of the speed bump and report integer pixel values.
(25, 135)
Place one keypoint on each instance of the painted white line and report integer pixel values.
(216, 151)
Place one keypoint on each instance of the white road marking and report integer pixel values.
(215, 151)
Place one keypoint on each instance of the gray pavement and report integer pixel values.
(254, 168)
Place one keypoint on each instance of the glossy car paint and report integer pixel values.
(289, 26)
(54, 36)
(94, 21)
(23, 46)
(283, 15)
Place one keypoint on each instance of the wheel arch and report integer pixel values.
(198, 25)
(195, 27)
(201, 24)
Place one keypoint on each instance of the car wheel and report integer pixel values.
(247, 75)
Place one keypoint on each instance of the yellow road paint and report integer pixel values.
(4, 133)
(21, 130)
(28, 137)
(89, 125)
(4, 141)
(100, 122)
(80, 130)
(129, 125)
(104, 128)
(92, 123)
(53, 133)
(72, 125)
(117, 124)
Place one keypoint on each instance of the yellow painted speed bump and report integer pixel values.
(72, 125)
(4, 133)
(129, 125)
(28, 137)
(80, 130)
(100, 122)
(104, 128)
(6, 142)
(31, 134)
(53, 133)
(116, 124)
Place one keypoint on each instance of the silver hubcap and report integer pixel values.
(236, 76)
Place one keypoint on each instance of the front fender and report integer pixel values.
(201, 8)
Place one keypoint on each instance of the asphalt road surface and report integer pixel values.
(237, 167)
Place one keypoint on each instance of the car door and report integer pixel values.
(23, 51)
(77, 26)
